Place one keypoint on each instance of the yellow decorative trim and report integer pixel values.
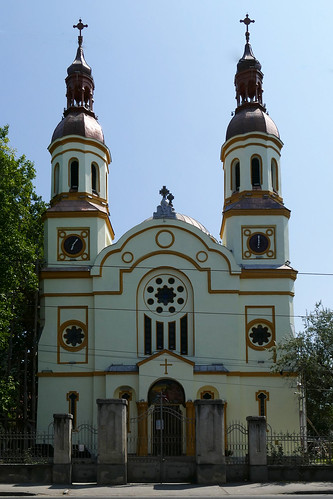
(201, 256)
(81, 214)
(242, 138)
(165, 352)
(250, 323)
(164, 245)
(231, 291)
(81, 232)
(127, 257)
(250, 230)
(164, 252)
(62, 326)
(269, 274)
(70, 138)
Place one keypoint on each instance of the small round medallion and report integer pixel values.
(164, 239)
(202, 256)
(127, 257)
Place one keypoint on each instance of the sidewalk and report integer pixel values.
(167, 490)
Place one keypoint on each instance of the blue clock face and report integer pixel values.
(258, 243)
(73, 245)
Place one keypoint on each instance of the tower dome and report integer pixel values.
(250, 113)
(79, 117)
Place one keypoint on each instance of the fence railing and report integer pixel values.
(297, 449)
(236, 439)
(84, 443)
(26, 448)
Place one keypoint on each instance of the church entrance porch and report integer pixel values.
(161, 438)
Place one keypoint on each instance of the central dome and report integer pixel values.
(248, 120)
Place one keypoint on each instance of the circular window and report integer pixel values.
(165, 294)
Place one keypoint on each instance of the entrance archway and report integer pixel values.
(167, 398)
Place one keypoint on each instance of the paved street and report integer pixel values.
(170, 490)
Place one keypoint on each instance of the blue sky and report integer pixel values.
(164, 72)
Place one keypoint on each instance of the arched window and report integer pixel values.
(274, 175)
(262, 396)
(94, 178)
(165, 317)
(256, 171)
(235, 176)
(56, 179)
(74, 175)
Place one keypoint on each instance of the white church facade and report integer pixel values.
(167, 311)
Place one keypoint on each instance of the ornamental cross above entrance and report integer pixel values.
(165, 365)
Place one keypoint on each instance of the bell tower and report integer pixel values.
(255, 220)
(77, 225)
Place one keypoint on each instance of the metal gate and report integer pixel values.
(236, 444)
(161, 445)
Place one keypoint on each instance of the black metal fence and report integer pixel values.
(298, 449)
(26, 447)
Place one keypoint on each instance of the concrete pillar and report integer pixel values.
(62, 460)
(209, 427)
(257, 448)
(112, 441)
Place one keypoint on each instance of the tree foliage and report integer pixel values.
(310, 354)
(21, 245)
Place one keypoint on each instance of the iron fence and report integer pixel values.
(236, 448)
(298, 449)
(26, 447)
(84, 443)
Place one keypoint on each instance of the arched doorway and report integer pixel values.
(167, 398)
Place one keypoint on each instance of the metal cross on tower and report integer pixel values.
(80, 26)
(247, 21)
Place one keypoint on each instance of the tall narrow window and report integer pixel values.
(159, 336)
(235, 176)
(94, 178)
(183, 335)
(262, 397)
(147, 326)
(274, 175)
(172, 335)
(72, 398)
(74, 173)
(255, 172)
(56, 179)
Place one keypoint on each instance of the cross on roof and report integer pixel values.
(80, 26)
(164, 191)
(247, 21)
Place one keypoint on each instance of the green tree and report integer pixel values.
(21, 245)
(310, 354)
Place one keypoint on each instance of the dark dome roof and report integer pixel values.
(248, 61)
(79, 124)
(251, 120)
(79, 64)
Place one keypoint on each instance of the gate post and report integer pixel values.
(210, 452)
(62, 460)
(112, 442)
(257, 448)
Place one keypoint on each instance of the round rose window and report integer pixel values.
(165, 294)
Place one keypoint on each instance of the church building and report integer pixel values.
(167, 313)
